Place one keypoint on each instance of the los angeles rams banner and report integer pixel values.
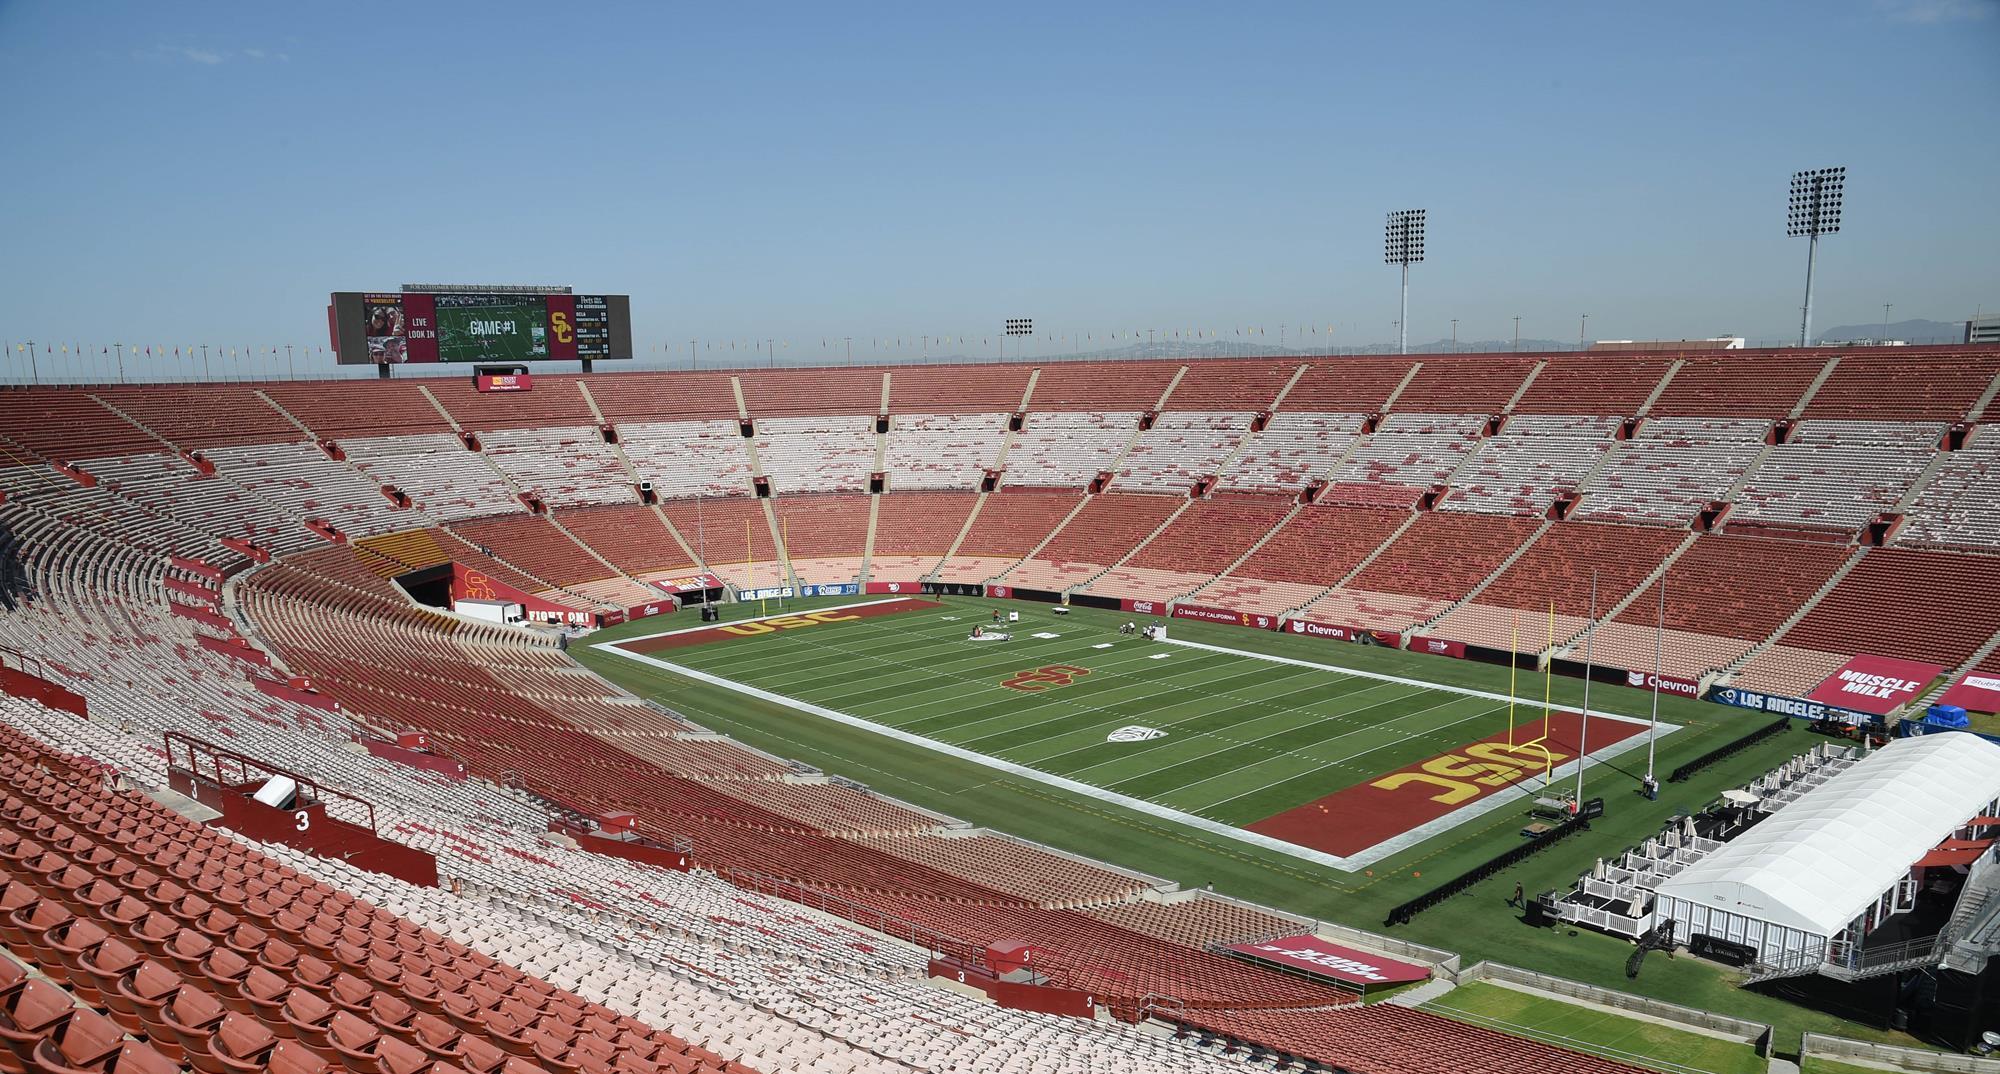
(1876, 684)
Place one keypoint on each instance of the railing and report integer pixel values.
(937, 943)
(86, 364)
(227, 768)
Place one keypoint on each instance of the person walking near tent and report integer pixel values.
(1520, 899)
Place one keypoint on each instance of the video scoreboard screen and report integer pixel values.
(411, 326)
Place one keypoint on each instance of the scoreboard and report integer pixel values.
(473, 324)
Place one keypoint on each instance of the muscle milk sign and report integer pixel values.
(1875, 684)
(1316, 956)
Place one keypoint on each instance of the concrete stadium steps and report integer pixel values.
(634, 540)
(1723, 385)
(1586, 384)
(915, 530)
(1917, 388)
(1362, 384)
(731, 536)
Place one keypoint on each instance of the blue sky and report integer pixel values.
(209, 172)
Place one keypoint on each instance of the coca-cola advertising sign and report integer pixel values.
(1144, 607)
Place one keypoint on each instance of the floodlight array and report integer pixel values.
(1403, 237)
(1815, 204)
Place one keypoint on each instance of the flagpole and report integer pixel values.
(1659, 649)
(1583, 727)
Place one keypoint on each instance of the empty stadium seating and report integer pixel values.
(942, 451)
(1093, 539)
(1181, 448)
(1008, 525)
(1520, 471)
(913, 531)
(823, 535)
(1672, 469)
(1837, 474)
(768, 955)
(1291, 450)
(1201, 541)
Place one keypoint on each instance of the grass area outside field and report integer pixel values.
(1629, 1040)
(1816, 1065)
(1476, 923)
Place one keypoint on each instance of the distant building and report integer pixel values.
(1983, 329)
(1713, 343)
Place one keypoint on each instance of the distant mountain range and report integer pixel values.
(1911, 331)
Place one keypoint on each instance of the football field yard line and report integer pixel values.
(1320, 764)
(1466, 690)
(1203, 824)
(1350, 863)
(914, 673)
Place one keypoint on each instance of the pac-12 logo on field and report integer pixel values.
(1135, 733)
(1045, 678)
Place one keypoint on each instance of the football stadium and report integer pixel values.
(511, 687)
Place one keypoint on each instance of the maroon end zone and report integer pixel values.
(771, 624)
(1352, 820)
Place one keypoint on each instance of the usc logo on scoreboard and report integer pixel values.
(560, 327)
(1047, 677)
(784, 622)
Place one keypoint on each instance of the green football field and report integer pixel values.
(1219, 737)
(916, 675)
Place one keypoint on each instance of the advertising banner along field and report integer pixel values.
(1976, 692)
(1316, 957)
(1875, 684)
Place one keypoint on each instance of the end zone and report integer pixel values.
(766, 624)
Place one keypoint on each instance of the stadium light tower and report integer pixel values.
(1403, 244)
(1814, 211)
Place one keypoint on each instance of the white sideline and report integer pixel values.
(1349, 864)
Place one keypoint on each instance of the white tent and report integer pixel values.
(1817, 864)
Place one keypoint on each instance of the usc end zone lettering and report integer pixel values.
(1455, 778)
(750, 628)
(785, 622)
(1352, 820)
(1046, 677)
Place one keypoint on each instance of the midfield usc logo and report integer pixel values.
(560, 327)
(1047, 677)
